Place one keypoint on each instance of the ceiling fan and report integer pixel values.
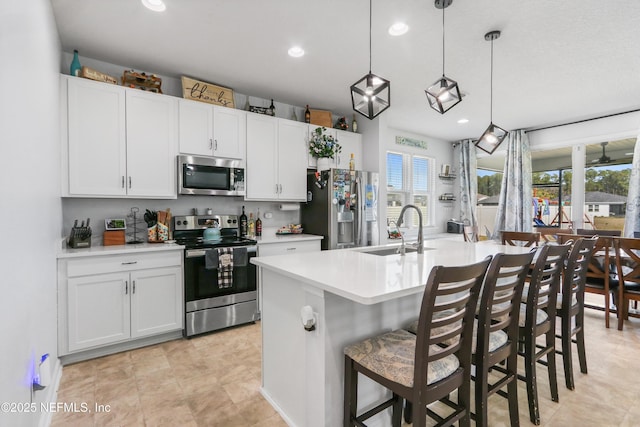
(604, 158)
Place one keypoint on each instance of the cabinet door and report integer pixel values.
(292, 156)
(229, 132)
(96, 138)
(156, 301)
(351, 143)
(195, 127)
(262, 145)
(312, 161)
(151, 144)
(98, 309)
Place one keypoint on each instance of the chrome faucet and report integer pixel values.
(420, 245)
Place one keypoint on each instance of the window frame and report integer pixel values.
(408, 193)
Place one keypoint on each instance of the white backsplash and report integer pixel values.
(100, 209)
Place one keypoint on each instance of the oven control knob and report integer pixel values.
(179, 222)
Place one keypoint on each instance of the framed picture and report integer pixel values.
(115, 224)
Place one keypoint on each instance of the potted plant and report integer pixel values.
(323, 147)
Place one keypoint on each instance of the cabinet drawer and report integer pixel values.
(283, 248)
(116, 263)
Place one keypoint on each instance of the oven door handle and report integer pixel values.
(195, 253)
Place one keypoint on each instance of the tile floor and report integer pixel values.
(214, 380)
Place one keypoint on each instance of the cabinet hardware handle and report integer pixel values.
(276, 188)
(126, 287)
(210, 144)
(122, 181)
(280, 188)
(215, 145)
(133, 289)
(129, 181)
(130, 262)
(291, 249)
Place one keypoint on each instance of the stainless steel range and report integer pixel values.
(219, 280)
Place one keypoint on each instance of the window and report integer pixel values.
(593, 208)
(408, 182)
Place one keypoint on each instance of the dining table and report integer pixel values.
(315, 304)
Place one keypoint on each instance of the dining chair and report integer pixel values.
(470, 233)
(520, 238)
(537, 319)
(426, 367)
(601, 278)
(570, 306)
(627, 254)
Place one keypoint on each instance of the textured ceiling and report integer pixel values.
(557, 61)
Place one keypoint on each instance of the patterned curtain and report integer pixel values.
(632, 216)
(514, 208)
(468, 182)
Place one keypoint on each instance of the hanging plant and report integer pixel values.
(323, 145)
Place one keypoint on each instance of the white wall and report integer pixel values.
(30, 212)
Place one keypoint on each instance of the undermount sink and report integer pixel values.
(389, 251)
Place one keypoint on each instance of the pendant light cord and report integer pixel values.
(370, 24)
(443, 8)
(491, 94)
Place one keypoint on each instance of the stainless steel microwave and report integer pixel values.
(210, 176)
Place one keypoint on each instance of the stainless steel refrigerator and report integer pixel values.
(342, 206)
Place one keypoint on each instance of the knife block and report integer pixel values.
(80, 237)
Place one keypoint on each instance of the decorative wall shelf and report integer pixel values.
(447, 176)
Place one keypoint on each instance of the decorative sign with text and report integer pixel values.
(207, 92)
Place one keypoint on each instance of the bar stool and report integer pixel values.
(537, 318)
(495, 335)
(570, 306)
(426, 367)
(496, 338)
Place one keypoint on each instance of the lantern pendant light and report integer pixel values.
(371, 95)
(494, 135)
(444, 93)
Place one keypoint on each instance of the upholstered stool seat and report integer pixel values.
(392, 356)
(541, 316)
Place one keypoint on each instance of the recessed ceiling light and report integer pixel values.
(155, 5)
(398, 29)
(463, 121)
(296, 51)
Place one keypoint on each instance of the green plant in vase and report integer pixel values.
(323, 145)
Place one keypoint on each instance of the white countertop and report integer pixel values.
(118, 249)
(370, 279)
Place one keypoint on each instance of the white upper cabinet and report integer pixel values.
(151, 144)
(292, 156)
(262, 157)
(210, 130)
(97, 143)
(276, 159)
(118, 142)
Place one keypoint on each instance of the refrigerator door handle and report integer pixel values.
(359, 213)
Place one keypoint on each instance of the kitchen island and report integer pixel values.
(354, 294)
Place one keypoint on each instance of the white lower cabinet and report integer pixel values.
(111, 299)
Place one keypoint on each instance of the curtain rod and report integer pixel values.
(583, 121)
